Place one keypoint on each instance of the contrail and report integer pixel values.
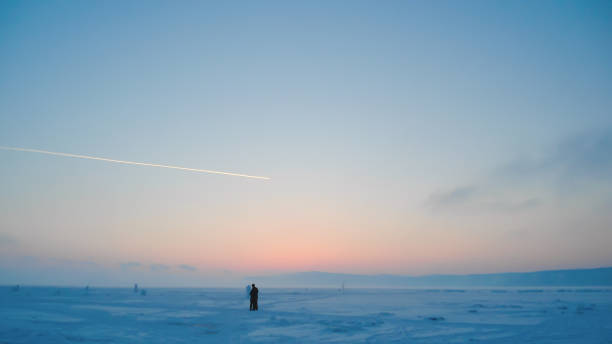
(130, 162)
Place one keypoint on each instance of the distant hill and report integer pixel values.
(575, 277)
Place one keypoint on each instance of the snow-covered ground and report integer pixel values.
(115, 315)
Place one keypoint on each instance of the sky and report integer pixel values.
(400, 137)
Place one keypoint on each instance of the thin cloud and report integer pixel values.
(456, 196)
(509, 206)
(578, 160)
(130, 265)
(7, 240)
(159, 267)
(478, 199)
(582, 157)
(188, 267)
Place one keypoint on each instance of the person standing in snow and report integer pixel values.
(254, 296)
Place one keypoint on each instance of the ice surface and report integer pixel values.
(116, 315)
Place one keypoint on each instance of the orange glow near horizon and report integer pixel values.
(291, 250)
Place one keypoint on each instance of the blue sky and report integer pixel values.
(401, 137)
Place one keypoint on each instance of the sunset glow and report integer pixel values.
(355, 137)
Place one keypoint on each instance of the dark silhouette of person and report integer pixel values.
(254, 296)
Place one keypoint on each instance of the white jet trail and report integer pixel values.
(130, 162)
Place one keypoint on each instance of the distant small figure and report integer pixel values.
(15, 288)
(135, 287)
(143, 292)
(254, 295)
